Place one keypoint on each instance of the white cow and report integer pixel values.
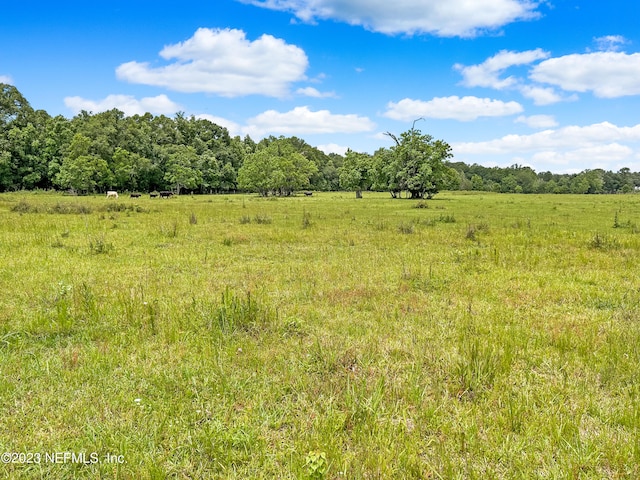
(112, 194)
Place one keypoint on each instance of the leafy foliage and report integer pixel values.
(95, 152)
(276, 169)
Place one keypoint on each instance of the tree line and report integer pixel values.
(92, 153)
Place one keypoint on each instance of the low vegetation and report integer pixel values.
(478, 336)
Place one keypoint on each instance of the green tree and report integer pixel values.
(256, 172)
(356, 172)
(82, 171)
(417, 163)
(276, 168)
(130, 170)
(476, 182)
(14, 108)
(182, 168)
(83, 174)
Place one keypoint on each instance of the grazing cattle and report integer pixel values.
(308, 194)
(135, 195)
(112, 194)
(153, 194)
(165, 194)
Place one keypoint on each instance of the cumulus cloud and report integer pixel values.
(6, 79)
(235, 129)
(606, 74)
(538, 121)
(564, 138)
(333, 148)
(158, 105)
(446, 19)
(542, 95)
(302, 121)
(575, 148)
(315, 93)
(487, 74)
(223, 62)
(598, 156)
(463, 109)
(610, 43)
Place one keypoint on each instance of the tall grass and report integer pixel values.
(321, 338)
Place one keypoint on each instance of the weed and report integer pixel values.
(380, 226)
(420, 204)
(24, 207)
(262, 219)
(406, 228)
(245, 219)
(99, 246)
(477, 367)
(601, 241)
(447, 219)
(170, 231)
(306, 219)
(316, 465)
(242, 313)
(193, 220)
(471, 233)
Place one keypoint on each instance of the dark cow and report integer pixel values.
(153, 195)
(308, 194)
(165, 194)
(135, 195)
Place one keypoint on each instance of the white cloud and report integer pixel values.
(464, 109)
(462, 18)
(542, 95)
(234, 128)
(223, 62)
(574, 148)
(333, 148)
(6, 79)
(538, 121)
(302, 121)
(606, 74)
(488, 72)
(598, 156)
(564, 138)
(610, 43)
(125, 103)
(313, 92)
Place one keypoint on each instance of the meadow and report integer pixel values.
(474, 335)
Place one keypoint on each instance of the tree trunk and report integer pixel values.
(358, 193)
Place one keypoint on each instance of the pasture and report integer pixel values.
(479, 336)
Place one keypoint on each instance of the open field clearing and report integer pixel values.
(480, 336)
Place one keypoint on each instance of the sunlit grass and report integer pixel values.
(477, 336)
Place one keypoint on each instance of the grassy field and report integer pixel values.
(480, 336)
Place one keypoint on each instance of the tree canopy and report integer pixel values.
(95, 152)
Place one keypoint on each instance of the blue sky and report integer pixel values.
(550, 84)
